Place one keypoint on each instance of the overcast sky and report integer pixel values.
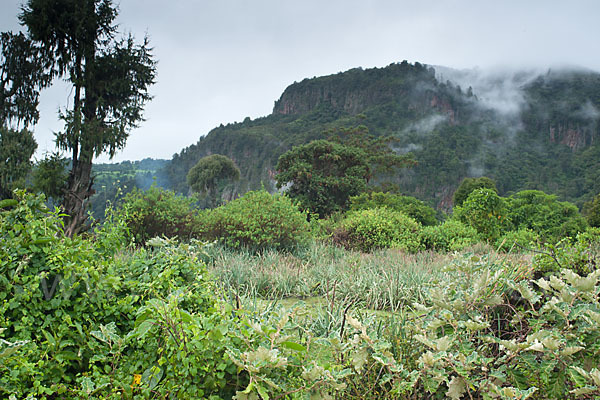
(223, 60)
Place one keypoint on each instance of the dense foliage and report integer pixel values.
(468, 185)
(209, 172)
(545, 215)
(256, 220)
(91, 317)
(84, 317)
(408, 205)
(157, 212)
(377, 228)
(323, 175)
(16, 149)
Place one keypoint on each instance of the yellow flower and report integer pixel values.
(137, 379)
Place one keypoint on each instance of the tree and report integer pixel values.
(485, 211)
(323, 175)
(16, 149)
(209, 172)
(544, 214)
(591, 210)
(380, 156)
(50, 176)
(468, 185)
(110, 80)
(22, 75)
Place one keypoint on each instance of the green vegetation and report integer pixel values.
(16, 149)
(211, 171)
(408, 205)
(378, 228)
(468, 185)
(323, 175)
(158, 212)
(257, 220)
(97, 317)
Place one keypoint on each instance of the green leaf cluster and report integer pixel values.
(377, 228)
(257, 220)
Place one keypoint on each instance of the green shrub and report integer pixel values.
(517, 241)
(452, 235)
(581, 254)
(159, 212)
(551, 219)
(258, 220)
(378, 228)
(485, 211)
(81, 317)
(408, 205)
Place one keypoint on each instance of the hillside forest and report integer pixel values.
(405, 232)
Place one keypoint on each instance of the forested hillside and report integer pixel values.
(548, 140)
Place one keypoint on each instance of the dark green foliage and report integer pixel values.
(22, 75)
(16, 149)
(591, 210)
(452, 235)
(323, 175)
(545, 215)
(485, 211)
(378, 228)
(159, 212)
(408, 205)
(50, 176)
(110, 79)
(210, 172)
(468, 185)
(257, 220)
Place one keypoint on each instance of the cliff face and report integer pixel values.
(356, 90)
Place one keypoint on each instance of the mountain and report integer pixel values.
(524, 129)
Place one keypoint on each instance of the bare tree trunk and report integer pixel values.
(79, 190)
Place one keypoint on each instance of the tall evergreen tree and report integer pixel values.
(110, 80)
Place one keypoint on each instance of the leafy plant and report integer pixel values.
(408, 205)
(159, 212)
(378, 228)
(258, 220)
(452, 235)
(485, 211)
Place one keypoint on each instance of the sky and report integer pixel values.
(220, 61)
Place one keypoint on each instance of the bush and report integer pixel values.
(551, 219)
(452, 235)
(80, 319)
(408, 205)
(258, 220)
(485, 211)
(517, 241)
(378, 228)
(159, 212)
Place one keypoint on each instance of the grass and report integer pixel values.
(384, 280)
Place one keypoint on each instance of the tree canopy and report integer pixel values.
(323, 175)
(16, 149)
(468, 185)
(209, 172)
(110, 79)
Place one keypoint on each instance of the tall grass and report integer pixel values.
(383, 280)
